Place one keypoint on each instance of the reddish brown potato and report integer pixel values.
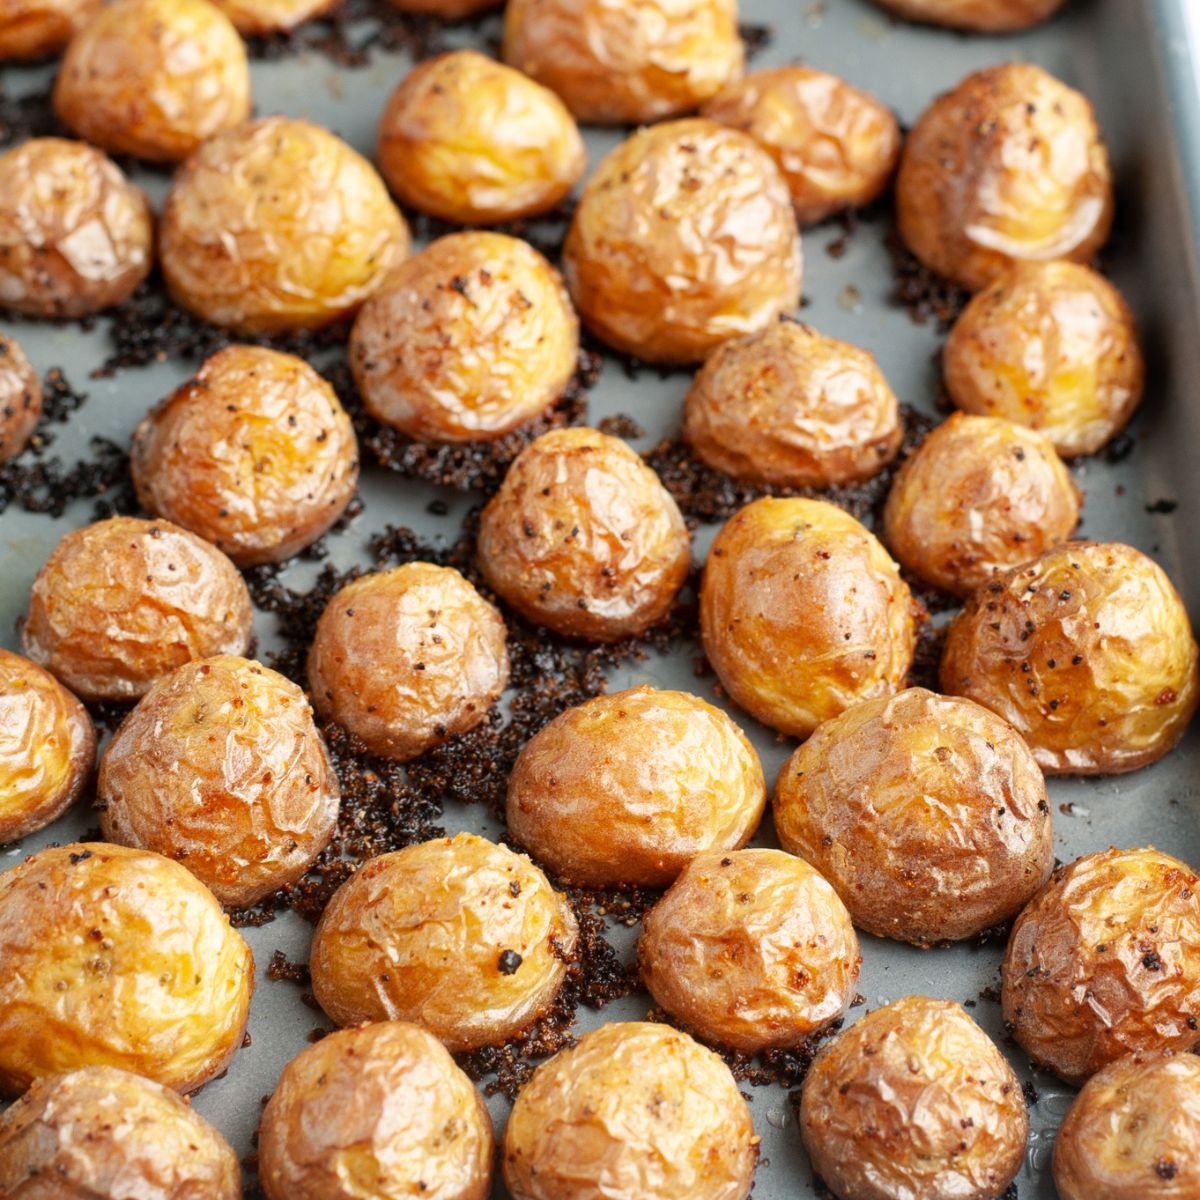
(628, 787)
(683, 238)
(253, 18)
(31, 29)
(978, 16)
(1087, 651)
(20, 399)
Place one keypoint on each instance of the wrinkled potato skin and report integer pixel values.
(254, 454)
(20, 399)
(683, 238)
(582, 537)
(381, 1111)
(1008, 166)
(75, 235)
(466, 340)
(803, 613)
(121, 603)
(253, 18)
(117, 957)
(1086, 651)
(33, 29)
(406, 658)
(914, 1101)
(418, 935)
(627, 788)
(472, 141)
(977, 16)
(634, 1111)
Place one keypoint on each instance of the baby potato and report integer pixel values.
(803, 614)
(75, 235)
(914, 1100)
(628, 787)
(277, 225)
(683, 238)
(1087, 651)
(253, 18)
(1009, 166)
(633, 1111)
(752, 949)
(1105, 961)
(20, 399)
(254, 453)
(791, 407)
(459, 935)
(466, 340)
(121, 958)
(120, 603)
(470, 140)
(979, 496)
(978, 16)
(32, 29)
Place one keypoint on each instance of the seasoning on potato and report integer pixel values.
(976, 16)
(33, 29)
(254, 18)
(20, 399)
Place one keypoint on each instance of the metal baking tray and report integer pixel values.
(1137, 60)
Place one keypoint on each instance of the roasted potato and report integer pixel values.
(466, 340)
(633, 1111)
(253, 18)
(628, 787)
(446, 10)
(583, 538)
(406, 658)
(459, 935)
(1007, 167)
(32, 29)
(683, 238)
(978, 16)
(277, 225)
(20, 399)
(121, 958)
(1087, 651)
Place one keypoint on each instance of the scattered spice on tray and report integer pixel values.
(756, 38)
(27, 116)
(926, 295)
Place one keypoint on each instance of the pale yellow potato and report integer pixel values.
(32, 29)
(976, 16)
(253, 18)
(20, 399)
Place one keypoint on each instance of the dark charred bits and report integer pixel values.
(1162, 506)
(756, 38)
(926, 295)
(27, 116)
(509, 962)
(282, 967)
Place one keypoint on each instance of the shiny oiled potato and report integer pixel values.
(978, 16)
(31, 29)
(683, 238)
(628, 787)
(254, 18)
(121, 958)
(634, 1111)
(1087, 651)
(458, 935)
(20, 399)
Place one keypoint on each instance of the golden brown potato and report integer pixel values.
(466, 340)
(253, 18)
(470, 140)
(104, 1133)
(978, 16)
(1008, 166)
(1105, 960)
(914, 1100)
(406, 658)
(31, 29)
(446, 10)
(254, 453)
(628, 787)
(980, 495)
(75, 235)
(1052, 346)
(20, 399)
(683, 238)
(791, 407)
(634, 1111)
(1087, 651)
(278, 225)
(121, 958)
(803, 614)
(927, 814)
(120, 603)
(459, 935)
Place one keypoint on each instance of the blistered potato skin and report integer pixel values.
(117, 957)
(634, 1111)
(252, 18)
(32, 29)
(20, 399)
(977, 16)
(627, 788)
(1087, 651)
(683, 238)
(420, 934)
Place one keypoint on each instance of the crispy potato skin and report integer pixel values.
(626, 788)
(803, 613)
(466, 340)
(684, 237)
(75, 235)
(252, 18)
(32, 29)
(977, 16)
(20, 399)
(583, 538)
(419, 935)
(634, 1111)
(254, 454)
(914, 1102)
(117, 957)
(1087, 651)
(100, 1132)
(979, 496)
(1009, 166)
